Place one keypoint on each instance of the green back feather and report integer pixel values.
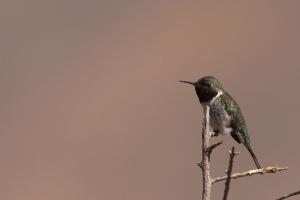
(237, 122)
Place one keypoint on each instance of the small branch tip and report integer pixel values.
(200, 164)
(213, 146)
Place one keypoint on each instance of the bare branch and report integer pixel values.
(266, 170)
(232, 153)
(207, 180)
(289, 195)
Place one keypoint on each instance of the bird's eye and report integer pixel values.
(207, 84)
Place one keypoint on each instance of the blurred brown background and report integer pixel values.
(91, 108)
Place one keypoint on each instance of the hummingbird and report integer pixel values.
(225, 115)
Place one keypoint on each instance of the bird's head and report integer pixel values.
(206, 88)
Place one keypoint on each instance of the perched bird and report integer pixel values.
(225, 115)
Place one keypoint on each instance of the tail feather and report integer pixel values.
(254, 157)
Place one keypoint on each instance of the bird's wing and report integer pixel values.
(237, 120)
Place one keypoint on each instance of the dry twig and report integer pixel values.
(232, 153)
(288, 195)
(213, 146)
(207, 180)
(266, 170)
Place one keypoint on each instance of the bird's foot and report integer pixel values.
(214, 133)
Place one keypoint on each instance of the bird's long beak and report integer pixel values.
(189, 82)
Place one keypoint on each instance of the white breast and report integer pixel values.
(219, 118)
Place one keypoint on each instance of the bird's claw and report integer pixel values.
(214, 134)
